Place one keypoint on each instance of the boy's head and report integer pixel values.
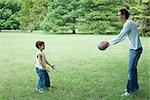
(40, 44)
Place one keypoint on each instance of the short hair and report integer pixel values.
(124, 12)
(39, 43)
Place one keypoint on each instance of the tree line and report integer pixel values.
(72, 16)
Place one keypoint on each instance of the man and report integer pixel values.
(130, 30)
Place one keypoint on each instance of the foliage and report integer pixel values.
(32, 14)
(62, 15)
(74, 16)
(9, 14)
(142, 16)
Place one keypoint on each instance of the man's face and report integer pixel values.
(120, 16)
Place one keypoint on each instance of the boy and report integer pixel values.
(41, 68)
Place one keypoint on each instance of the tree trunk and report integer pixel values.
(140, 2)
(73, 31)
(31, 31)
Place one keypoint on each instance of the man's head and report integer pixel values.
(123, 14)
(40, 44)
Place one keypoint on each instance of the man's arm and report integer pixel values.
(122, 35)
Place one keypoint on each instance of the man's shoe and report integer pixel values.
(136, 89)
(125, 90)
(126, 94)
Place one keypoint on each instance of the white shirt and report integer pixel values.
(43, 59)
(130, 30)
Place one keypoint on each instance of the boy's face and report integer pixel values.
(42, 47)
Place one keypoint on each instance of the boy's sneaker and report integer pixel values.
(126, 94)
(47, 88)
(38, 90)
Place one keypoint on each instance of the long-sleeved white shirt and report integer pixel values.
(129, 30)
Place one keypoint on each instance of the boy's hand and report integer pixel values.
(53, 66)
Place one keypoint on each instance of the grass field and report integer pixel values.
(82, 71)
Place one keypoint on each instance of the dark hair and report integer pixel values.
(39, 43)
(124, 12)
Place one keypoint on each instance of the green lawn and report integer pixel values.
(82, 71)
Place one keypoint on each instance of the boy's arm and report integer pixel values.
(40, 61)
(50, 64)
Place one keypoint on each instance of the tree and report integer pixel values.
(9, 14)
(32, 14)
(141, 14)
(146, 20)
(62, 15)
(39, 11)
(100, 16)
(25, 15)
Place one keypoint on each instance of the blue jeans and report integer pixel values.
(132, 84)
(44, 80)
